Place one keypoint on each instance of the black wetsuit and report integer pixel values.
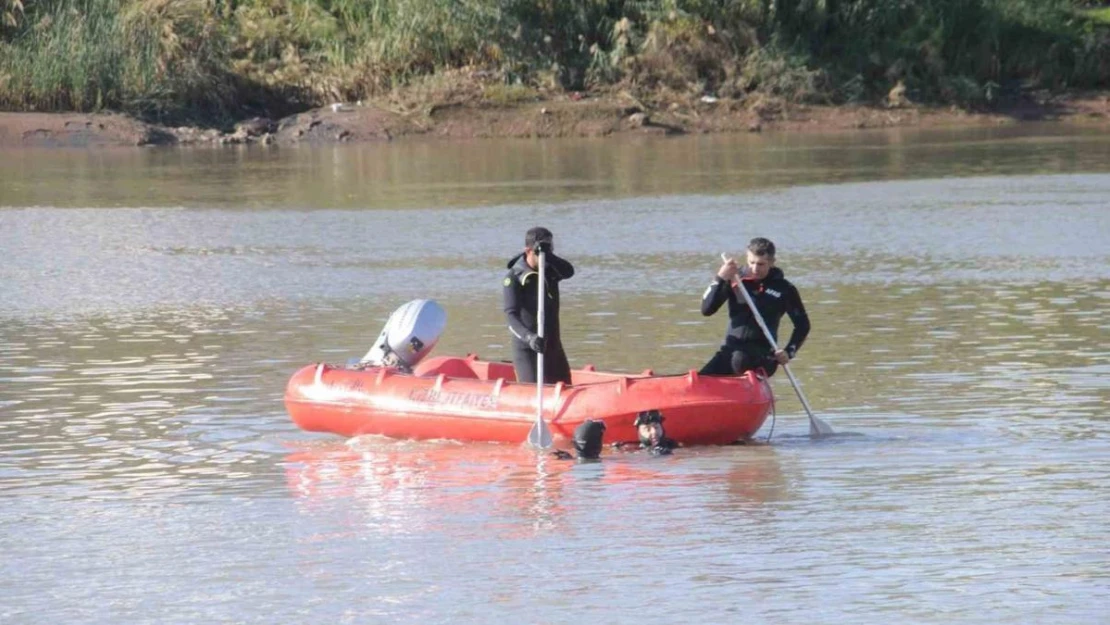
(745, 347)
(520, 294)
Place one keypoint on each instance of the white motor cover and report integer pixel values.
(409, 335)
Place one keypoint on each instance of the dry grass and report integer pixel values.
(172, 59)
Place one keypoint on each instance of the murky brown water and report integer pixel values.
(153, 304)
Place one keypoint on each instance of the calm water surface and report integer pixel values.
(154, 303)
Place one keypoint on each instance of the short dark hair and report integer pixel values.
(761, 247)
(537, 234)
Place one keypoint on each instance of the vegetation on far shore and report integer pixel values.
(213, 61)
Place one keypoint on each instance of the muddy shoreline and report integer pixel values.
(596, 116)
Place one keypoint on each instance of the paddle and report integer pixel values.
(817, 427)
(540, 435)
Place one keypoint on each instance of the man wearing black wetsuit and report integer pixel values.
(521, 297)
(745, 347)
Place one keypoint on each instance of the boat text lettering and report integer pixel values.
(466, 400)
(352, 386)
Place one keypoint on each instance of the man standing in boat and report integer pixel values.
(745, 346)
(521, 297)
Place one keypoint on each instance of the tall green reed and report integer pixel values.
(218, 59)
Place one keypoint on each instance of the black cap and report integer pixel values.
(648, 416)
(537, 234)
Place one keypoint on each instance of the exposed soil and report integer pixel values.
(566, 116)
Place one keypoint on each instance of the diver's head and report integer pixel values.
(588, 439)
(649, 428)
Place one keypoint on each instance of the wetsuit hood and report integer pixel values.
(519, 264)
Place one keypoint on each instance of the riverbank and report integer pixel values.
(573, 115)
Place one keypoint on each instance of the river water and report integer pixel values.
(153, 304)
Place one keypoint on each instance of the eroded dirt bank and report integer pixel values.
(565, 117)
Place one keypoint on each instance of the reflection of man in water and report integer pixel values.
(745, 347)
(521, 294)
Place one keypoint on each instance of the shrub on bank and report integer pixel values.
(214, 60)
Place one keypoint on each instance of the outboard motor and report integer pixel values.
(409, 335)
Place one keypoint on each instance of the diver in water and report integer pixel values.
(649, 429)
(588, 440)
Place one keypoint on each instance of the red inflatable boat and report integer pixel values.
(468, 399)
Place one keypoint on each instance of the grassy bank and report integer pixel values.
(216, 60)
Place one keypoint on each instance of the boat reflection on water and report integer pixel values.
(398, 487)
(403, 486)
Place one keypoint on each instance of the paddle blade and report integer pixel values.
(540, 436)
(818, 428)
